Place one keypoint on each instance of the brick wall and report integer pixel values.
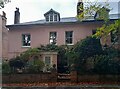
(29, 78)
(94, 78)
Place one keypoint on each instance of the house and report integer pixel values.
(51, 30)
(3, 37)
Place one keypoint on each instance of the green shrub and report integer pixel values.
(106, 65)
(25, 55)
(88, 47)
(6, 68)
(85, 49)
(36, 67)
(16, 63)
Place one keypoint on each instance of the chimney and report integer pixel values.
(79, 7)
(17, 16)
(4, 19)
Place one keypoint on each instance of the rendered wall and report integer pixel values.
(40, 34)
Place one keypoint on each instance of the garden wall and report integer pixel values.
(99, 78)
(52, 77)
(94, 78)
(29, 78)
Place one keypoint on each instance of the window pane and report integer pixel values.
(69, 37)
(47, 18)
(55, 17)
(53, 36)
(47, 60)
(26, 40)
(51, 17)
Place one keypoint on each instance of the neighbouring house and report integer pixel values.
(3, 37)
(51, 30)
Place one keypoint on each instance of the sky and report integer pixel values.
(32, 10)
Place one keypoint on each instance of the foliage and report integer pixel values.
(84, 49)
(88, 47)
(108, 28)
(36, 67)
(16, 63)
(3, 2)
(106, 65)
(92, 9)
(21, 62)
(49, 47)
(6, 68)
(25, 55)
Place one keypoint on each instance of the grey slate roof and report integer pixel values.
(65, 20)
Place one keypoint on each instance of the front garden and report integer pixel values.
(90, 61)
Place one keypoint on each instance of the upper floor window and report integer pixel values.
(93, 32)
(69, 37)
(52, 38)
(26, 40)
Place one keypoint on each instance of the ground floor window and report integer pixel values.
(48, 60)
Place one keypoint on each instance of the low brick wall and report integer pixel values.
(21, 78)
(99, 78)
(52, 77)
(94, 77)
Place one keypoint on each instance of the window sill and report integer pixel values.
(26, 46)
(69, 44)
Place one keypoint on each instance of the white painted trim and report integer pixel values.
(26, 46)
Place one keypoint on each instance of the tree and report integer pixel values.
(84, 49)
(3, 2)
(107, 27)
(16, 63)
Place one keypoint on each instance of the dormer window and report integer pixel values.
(102, 13)
(52, 16)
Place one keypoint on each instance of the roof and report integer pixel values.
(63, 20)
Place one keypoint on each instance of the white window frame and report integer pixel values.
(69, 38)
(51, 38)
(26, 40)
(50, 60)
(53, 16)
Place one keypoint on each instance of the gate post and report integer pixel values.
(73, 76)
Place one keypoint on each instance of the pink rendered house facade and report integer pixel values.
(51, 30)
(40, 34)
